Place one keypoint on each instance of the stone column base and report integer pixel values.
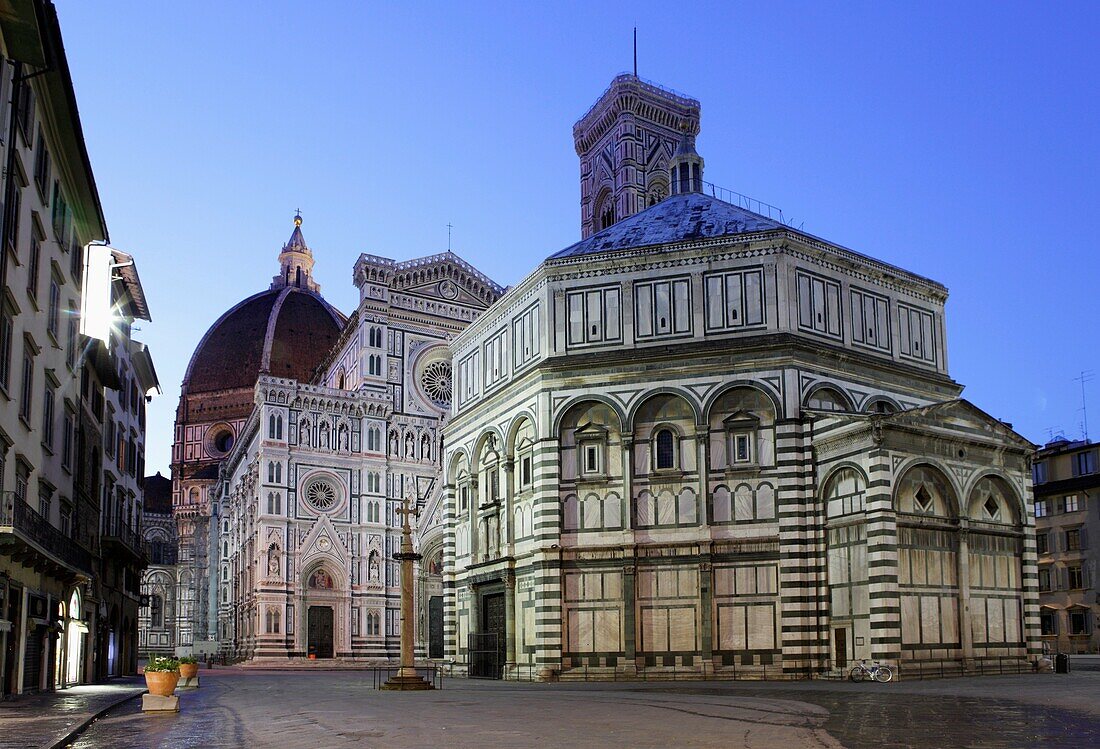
(152, 703)
(407, 683)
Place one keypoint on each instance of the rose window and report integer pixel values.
(321, 495)
(436, 383)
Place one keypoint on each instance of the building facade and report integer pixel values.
(699, 438)
(1067, 526)
(160, 582)
(60, 578)
(308, 521)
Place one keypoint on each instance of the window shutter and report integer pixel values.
(1084, 538)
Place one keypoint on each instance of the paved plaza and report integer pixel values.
(318, 710)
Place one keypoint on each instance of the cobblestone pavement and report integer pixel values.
(42, 720)
(235, 708)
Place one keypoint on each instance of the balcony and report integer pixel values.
(118, 535)
(30, 539)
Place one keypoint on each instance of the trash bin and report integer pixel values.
(1061, 663)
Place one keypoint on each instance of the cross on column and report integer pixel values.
(405, 510)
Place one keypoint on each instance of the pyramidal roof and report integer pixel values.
(679, 218)
(297, 242)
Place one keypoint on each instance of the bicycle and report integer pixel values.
(876, 672)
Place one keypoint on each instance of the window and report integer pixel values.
(1042, 543)
(45, 502)
(525, 470)
(14, 213)
(525, 337)
(923, 501)
(662, 308)
(591, 458)
(665, 450)
(22, 481)
(66, 524)
(33, 264)
(68, 431)
(1070, 503)
(47, 417)
(916, 334)
(1048, 622)
(1078, 622)
(42, 165)
(1075, 577)
(741, 428)
(1084, 463)
(464, 497)
(593, 316)
(72, 342)
(27, 387)
(495, 358)
(992, 509)
(1073, 539)
(1039, 472)
(53, 320)
(6, 332)
(1042, 508)
(742, 448)
(492, 490)
(468, 374)
(818, 305)
(735, 300)
(870, 319)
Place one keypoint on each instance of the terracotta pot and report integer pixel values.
(162, 683)
(189, 670)
(313, 656)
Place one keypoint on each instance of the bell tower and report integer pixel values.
(626, 143)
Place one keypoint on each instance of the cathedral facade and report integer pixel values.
(306, 524)
(701, 439)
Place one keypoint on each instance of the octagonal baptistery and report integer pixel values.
(701, 439)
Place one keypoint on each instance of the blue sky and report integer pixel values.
(957, 140)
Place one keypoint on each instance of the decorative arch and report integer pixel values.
(459, 463)
(491, 431)
(843, 492)
(871, 405)
(839, 394)
(1011, 497)
(765, 390)
(524, 416)
(572, 403)
(687, 397)
(953, 507)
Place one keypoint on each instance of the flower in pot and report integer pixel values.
(162, 675)
(189, 667)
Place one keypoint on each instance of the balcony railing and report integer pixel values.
(118, 532)
(42, 543)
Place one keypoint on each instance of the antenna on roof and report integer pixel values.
(449, 227)
(635, 51)
(1086, 375)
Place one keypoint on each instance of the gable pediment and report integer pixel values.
(958, 415)
(446, 278)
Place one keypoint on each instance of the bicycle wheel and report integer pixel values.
(857, 674)
(883, 674)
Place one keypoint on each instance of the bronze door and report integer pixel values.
(320, 631)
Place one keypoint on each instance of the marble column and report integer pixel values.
(509, 620)
(966, 634)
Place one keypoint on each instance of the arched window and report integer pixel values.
(278, 503)
(271, 426)
(279, 428)
(665, 446)
(225, 550)
(270, 473)
(271, 503)
(156, 611)
(278, 473)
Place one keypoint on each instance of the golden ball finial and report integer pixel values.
(298, 217)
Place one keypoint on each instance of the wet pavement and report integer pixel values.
(236, 708)
(44, 720)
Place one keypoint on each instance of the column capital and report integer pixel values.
(509, 577)
(509, 464)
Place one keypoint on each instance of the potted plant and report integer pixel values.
(189, 666)
(162, 675)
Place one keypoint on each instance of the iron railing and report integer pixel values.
(21, 520)
(121, 533)
(431, 673)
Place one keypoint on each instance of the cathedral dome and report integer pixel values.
(284, 332)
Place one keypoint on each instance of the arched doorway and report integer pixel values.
(320, 614)
(75, 631)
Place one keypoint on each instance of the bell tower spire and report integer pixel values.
(296, 262)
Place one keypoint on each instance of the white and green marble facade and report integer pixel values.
(715, 562)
